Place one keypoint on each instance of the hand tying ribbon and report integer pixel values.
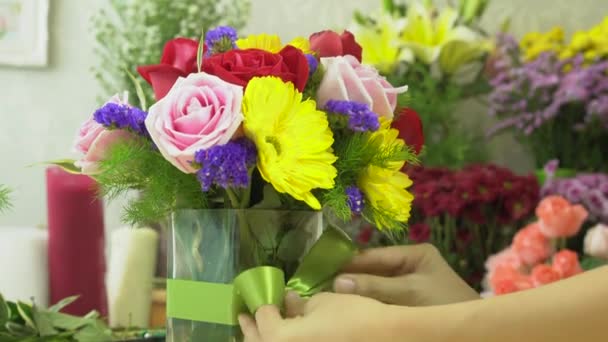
(264, 285)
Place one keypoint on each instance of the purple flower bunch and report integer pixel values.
(226, 165)
(527, 95)
(587, 189)
(122, 116)
(360, 117)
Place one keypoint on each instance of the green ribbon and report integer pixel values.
(221, 303)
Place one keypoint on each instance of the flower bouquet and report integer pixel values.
(555, 95)
(258, 151)
(469, 214)
(443, 52)
(537, 255)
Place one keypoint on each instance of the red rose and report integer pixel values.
(420, 232)
(409, 125)
(240, 66)
(331, 44)
(178, 59)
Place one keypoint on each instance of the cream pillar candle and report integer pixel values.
(130, 275)
(23, 265)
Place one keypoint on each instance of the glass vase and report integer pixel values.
(217, 245)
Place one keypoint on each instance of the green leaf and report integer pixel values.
(199, 52)
(141, 96)
(66, 164)
(65, 321)
(4, 312)
(43, 322)
(96, 331)
(26, 313)
(589, 263)
(19, 329)
(293, 244)
(271, 199)
(62, 303)
(6, 337)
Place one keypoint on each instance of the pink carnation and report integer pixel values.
(531, 245)
(565, 262)
(543, 274)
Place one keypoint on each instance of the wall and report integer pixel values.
(42, 108)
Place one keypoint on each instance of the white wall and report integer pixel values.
(40, 109)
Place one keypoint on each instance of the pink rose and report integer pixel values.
(331, 44)
(347, 79)
(559, 218)
(531, 245)
(505, 257)
(94, 140)
(543, 274)
(596, 242)
(199, 112)
(565, 262)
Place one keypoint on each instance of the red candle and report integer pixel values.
(76, 241)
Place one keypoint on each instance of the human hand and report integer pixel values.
(324, 317)
(404, 275)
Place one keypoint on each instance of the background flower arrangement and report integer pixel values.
(132, 33)
(554, 95)
(4, 198)
(443, 52)
(537, 255)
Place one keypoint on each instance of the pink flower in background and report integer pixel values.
(596, 242)
(506, 279)
(543, 274)
(565, 262)
(199, 112)
(506, 257)
(420, 232)
(94, 140)
(559, 218)
(531, 245)
(347, 79)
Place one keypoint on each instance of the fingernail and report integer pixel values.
(344, 285)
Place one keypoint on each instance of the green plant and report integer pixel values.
(132, 33)
(4, 198)
(24, 322)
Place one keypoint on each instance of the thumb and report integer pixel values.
(387, 290)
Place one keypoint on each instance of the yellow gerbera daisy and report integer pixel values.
(386, 188)
(271, 43)
(293, 139)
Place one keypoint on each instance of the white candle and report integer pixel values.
(130, 276)
(23, 265)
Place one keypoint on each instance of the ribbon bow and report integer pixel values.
(221, 303)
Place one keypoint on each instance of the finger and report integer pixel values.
(391, 290)
(294, 304)
(249, 328)
(390, 261)
(268, 319)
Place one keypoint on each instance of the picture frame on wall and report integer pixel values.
(24, 32)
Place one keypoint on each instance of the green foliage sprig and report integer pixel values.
(5, 203)
(29, 323)
(136, 165)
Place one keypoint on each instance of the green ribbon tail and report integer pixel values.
(324, 260)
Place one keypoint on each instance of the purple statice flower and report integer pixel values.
(226, 165)
(313, 64)
(122, 116)
(360, 117)
(221, 39)
(355, 199)
(596, 203)
(113, 115)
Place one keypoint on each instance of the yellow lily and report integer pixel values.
(426, 35)
(380, 43)
(459, 53)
